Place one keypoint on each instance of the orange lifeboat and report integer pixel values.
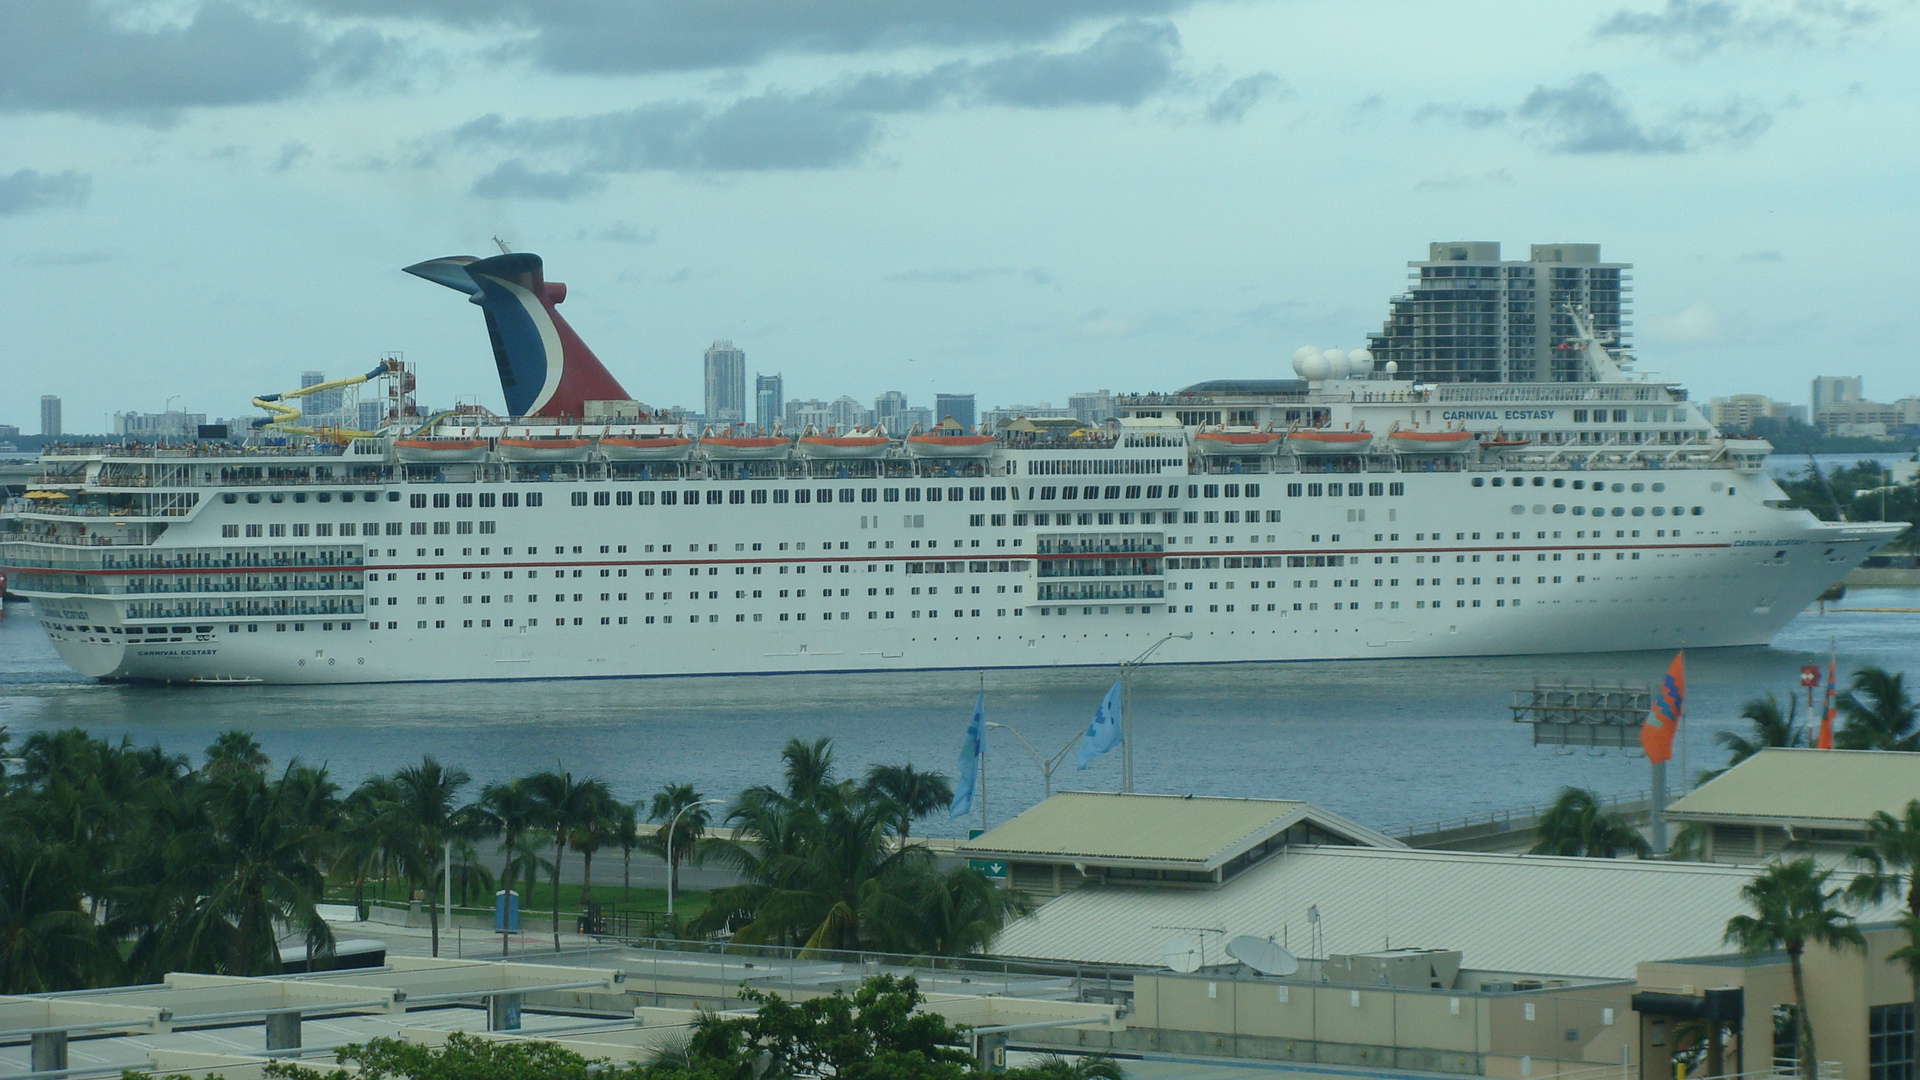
(645, 447)
(936, 445)
(1237, 443)
(431, 450)
(859, 444)
(535, 449)
(1329, 442)
(745, 447)
(1431, 442)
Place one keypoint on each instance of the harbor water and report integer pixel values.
(1391, 744)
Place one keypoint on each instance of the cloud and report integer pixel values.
(1695, 323)
(1694, 28)
(1472, 117)
(291, 154)
(1465, 181)
(621, 233)
(970, 275)
(513, 179)
(1589, 116)
(56, 259)
(834, 125)
(1231, 105)
(84, 57)
(29, 190)
(640, 36)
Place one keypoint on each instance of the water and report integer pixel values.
(1387, 743)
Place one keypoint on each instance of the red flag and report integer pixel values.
(1825, 741)
(1656, 735)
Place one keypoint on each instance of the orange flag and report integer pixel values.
(1656, 735)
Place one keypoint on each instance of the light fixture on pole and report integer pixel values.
(1126, 708)
(1048, 766)
(671, 822)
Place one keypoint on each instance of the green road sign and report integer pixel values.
(989, 867)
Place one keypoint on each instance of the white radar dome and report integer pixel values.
(1300, 356)
(1360, 361)
(1393, 367)
(1337, 367)
(1313, 367)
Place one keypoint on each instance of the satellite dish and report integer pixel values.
(1262, 955)
(1182, 954)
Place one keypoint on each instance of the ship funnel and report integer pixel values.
(545, 369)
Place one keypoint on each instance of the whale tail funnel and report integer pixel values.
(545, 369)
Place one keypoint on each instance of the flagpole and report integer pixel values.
(983, 755)
(1126, 708)
(1659, 795)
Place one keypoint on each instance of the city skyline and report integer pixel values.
(1284, 161)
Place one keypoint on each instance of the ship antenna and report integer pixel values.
(504, 249)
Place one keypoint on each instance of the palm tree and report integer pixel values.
(682, 807)
(1576, 825)
(47, 940)
(359, 848)
(1880, 715)
(626, 827)
(1892, 853)
(807, 767)
(920, 911)
(1078, 1067)
(564, 804)
(915, 794)
(235, 751)
(1770, 729)
(1793, 907)
(508, 811)
(421, 820)
(598, 823)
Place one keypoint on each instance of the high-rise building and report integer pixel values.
(848, 414)
(803, 413)
(1739, 412)
(1095, 407)
(50, 415)
(1831, 390)
(769, 401)
(1471, 317)
(890, 412)
(958, 406)
(726, 384)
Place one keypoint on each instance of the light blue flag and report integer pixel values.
(971, 748)
(1104, 733)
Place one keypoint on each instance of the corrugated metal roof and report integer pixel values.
(1808, 785)
(1201, 833)
(1533, 914)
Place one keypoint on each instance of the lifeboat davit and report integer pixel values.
(1329, 442)
(936, 445)
(1237, 443)
(542, 449)
(859, 444)
(645, 447)
(1431, 442)
(429, 450)
(745, 447)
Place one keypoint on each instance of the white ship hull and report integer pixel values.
(658, 590)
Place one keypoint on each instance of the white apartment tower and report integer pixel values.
(1472, 317)
(50, 415)
(726, 384)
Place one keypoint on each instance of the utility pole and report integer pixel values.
(1126, 709)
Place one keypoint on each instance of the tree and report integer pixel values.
(876, 1032)
(626, 833)
(1770, 729)
(235, 751)
(913, 793)
(598, 823)
(1892, 854)
(508, 811)
(421, 820)
(682, 808)
(1880, 715)
(564, 804)
(1576, 825)
(1793, 907)
(924, 912)
(807, 767)
(47, 940)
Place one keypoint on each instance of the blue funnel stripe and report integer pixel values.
(526, 345)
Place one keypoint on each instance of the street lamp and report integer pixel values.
(1126, 708)
(1048, 766)
(671, 822)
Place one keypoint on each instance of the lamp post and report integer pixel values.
(1126, 708)
(671, 822)
(1048, 766)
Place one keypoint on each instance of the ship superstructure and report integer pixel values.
(1343, 514)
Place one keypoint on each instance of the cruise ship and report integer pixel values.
(1350, 512)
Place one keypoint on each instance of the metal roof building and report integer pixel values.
(1077, 838)
(1798, 801)
(1535, 914)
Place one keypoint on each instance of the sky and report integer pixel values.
(200, 200)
